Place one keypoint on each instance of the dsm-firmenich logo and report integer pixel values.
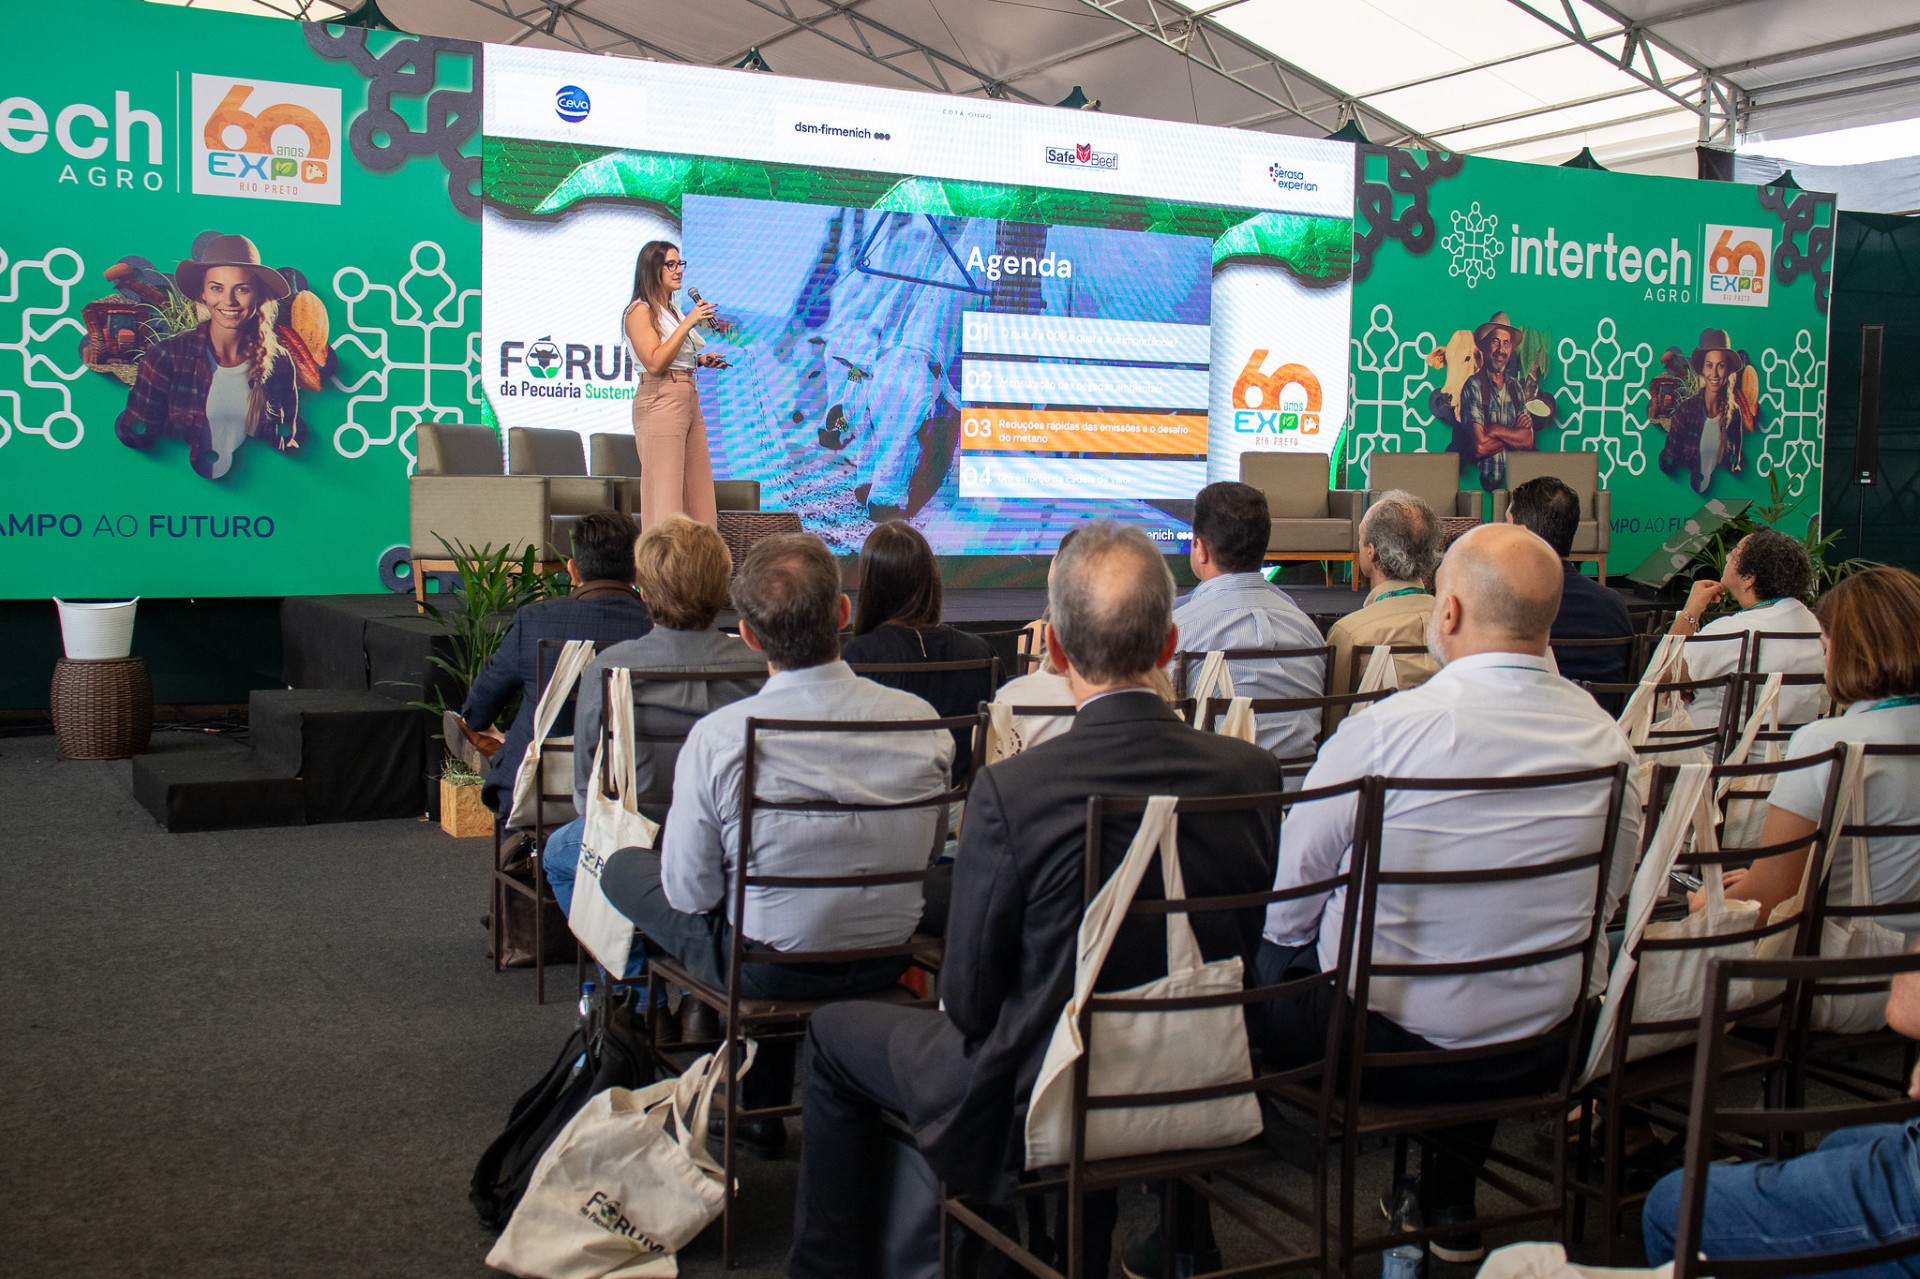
(1736, 258)
(1081, 155)
(571, 103)
(265, 140)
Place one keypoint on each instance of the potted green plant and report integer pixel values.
(493, 584)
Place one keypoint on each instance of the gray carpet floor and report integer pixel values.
(272, 1052)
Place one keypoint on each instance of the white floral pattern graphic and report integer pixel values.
(1391, 385)
(1794, 396)
(31, 401)
(1474, 245)
(424, 351)
(1603, 399)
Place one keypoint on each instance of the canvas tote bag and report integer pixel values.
(1671, 983)
(1849, 937)
(541, 768)
(1216, 681)
(1149, 1051)
(613, 823)
(1743, 800)
(1549, 1261)
(626, 1184)
(1003, 740)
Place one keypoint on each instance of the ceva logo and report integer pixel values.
(571, 103)
(261, 139)
(1736, 258)
(1081, 155)
(1287, 399)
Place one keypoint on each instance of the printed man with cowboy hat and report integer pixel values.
(227, 380)
(1493, 404)
(1710, 428)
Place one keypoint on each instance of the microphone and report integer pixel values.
(716, 324)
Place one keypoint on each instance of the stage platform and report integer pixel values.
(346, 739)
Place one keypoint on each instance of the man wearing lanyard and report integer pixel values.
(1400, 546)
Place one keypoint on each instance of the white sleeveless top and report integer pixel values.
(669, 319)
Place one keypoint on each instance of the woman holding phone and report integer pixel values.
(676, 472)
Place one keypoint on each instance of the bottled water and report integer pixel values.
(1407, 1260)
(586, 999)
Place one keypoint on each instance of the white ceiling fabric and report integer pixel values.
(1518, 79)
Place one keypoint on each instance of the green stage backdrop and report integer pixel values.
(128, 133)
(1607, 287)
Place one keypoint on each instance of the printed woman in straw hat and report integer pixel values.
(227, 380)
(1709, 429)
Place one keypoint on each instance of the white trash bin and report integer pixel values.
(91, 632)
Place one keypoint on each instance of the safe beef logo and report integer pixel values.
(1081, 155)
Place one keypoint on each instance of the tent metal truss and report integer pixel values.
(1296, 94)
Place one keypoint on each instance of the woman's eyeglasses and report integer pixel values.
(673, 266)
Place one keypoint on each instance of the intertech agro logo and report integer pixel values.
(261, 139)
(1736, 258)
(1285, 400)
(1081, 155)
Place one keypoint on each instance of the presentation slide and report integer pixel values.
(992, 320)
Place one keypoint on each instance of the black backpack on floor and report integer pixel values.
(586, 1067)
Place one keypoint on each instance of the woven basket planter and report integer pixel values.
(741, 529)
(101, 709)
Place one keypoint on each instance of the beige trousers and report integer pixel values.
(676, 472)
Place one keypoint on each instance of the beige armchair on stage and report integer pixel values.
(1434, 478)
(1580, 472)
(463, 491)
(1311, 520)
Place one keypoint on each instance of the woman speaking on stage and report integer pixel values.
(676, 473)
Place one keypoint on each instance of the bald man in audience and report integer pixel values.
(1495, 709)
(957, 1074)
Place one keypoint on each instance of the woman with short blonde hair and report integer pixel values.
(683, 570)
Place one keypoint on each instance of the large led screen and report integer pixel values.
(994, 321)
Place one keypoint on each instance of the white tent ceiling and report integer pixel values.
(1641, 82)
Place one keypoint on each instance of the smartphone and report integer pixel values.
(1692, 883)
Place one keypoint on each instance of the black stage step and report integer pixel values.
(211, 785)
(358, 753)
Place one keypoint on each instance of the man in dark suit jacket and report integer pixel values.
(1588, 610)
(602, 607)
(959, 1075)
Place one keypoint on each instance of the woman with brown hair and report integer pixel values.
(897, 620)
(225, 381)
(1870, 626)
(676, 470)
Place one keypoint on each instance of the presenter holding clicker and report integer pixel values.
(676, 472)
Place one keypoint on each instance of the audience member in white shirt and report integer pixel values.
(1768, 575)
(1495, 709)
(1871, 629)
(1234, 607)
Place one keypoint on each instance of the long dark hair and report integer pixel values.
(647, 285)
(899, 582)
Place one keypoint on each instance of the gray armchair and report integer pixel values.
(1579, 471)
(616, 455)
(1432, 477)
(1311, 521)
(459, 493)
(560, 455)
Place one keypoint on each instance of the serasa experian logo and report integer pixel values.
(571, 103)
(1081, 155)
(265, 140)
